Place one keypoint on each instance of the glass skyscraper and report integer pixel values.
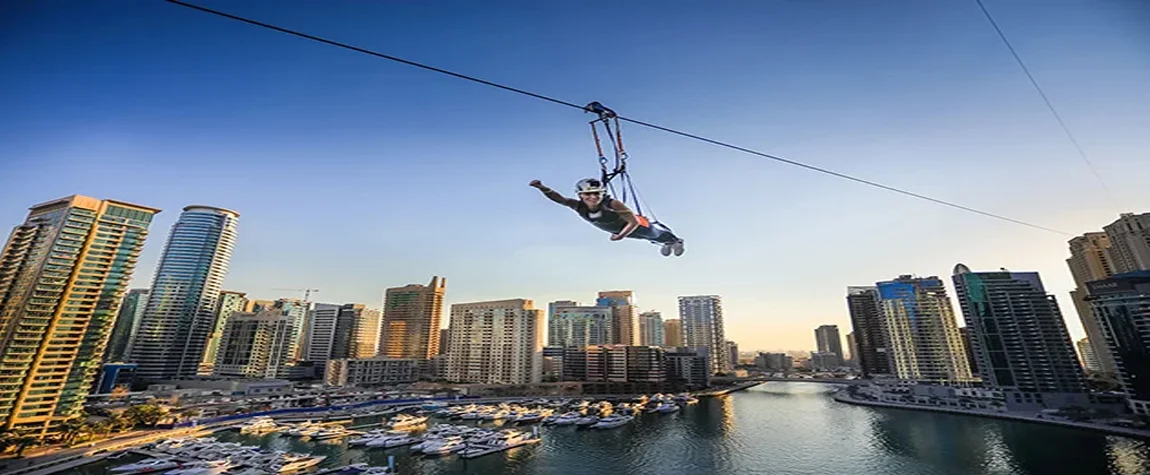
(181, 310)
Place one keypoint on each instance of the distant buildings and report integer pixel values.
(732, 355)
(357, 332)
(1019, 339)
(672, 332)
(625, 320)
(851, 351)
(922, 335)
(411, 320)
(319, 344)
(870, 334)
(702, 318)
(1121, 305)
(180, 312)
(571, 324)
(615, 363)
(651, 331)
(370, 371)
(127, 325)
(229, 302)
(1130, 242)
(825, 361)
(1122, 247)
(498, 342)
(828, 342)
(1089, 261)
(1087, 356)
(63, 273)
(689, 367)
(774, 362)
(256, 345)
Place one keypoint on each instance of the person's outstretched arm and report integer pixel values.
(555, 196)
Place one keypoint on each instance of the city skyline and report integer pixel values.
(938, 110)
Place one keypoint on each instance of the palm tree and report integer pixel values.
(22, 440)
(72, 428)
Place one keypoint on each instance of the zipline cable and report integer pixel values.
(1045, 99)
(627, 119)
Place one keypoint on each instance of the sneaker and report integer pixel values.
(677, 247)
(666, 250)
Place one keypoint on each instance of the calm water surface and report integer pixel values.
(775, 429)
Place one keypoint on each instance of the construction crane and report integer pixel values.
(306, 292)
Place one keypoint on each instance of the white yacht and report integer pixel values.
(612, 422)
(667, 408)
(259, 425)
(404, 421)
(568, 419)
(288, 463)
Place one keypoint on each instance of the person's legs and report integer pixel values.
(659, 234)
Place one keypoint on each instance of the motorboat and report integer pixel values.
(612, 422)
(587, 421)
(667, 408)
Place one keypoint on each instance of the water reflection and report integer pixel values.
(775, 428)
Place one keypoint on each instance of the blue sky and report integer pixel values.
(353, 174)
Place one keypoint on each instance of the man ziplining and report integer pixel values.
(613, 216)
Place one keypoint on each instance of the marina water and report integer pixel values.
(775, 429)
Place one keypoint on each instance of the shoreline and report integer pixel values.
(841, 396)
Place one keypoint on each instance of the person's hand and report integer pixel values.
(616, 237)
(536, 184)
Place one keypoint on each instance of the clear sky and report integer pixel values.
(353, 174)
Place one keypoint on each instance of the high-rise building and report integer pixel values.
(968, 347)
(230, 302)
(702, 318)
(63, 273)
(924, 343)
(1019, 338)
(127, 324)
(1090, 260)
(1121, 304)
(499, 342)
(1130, 242)
(321, 334)
(411, 320)
(827, 341)
(1086, 354)
(256, 345)
(870, 335)
(444, 337)
(180, 313)
(651, 329)
(574, 325)
(625, 319)
(672, 333)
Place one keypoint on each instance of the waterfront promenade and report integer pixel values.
(845, 397)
